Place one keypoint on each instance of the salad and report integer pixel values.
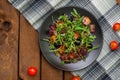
(71, 37)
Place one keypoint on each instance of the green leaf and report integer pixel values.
(61, 17)
(79, 28)
(46, 40)
(62, 62)
(75, 12)
(95, 47)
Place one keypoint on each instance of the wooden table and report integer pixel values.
(19, 49)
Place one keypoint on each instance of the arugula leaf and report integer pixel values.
(62, 62)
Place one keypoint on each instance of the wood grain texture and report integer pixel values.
(68, 76)
(49, 72)
(29, 54)
(8, 41)
(118, 1)
(19, 49)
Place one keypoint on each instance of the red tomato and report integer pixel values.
(86, 20)
(116, 26)
(76, 78)
(71, 56)
(76, 35)
(32, 71)
(114, 45)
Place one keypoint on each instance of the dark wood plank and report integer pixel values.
(68, 76)
(29, 50)
(49, 72)
(8, 41)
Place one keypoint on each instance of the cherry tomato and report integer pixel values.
(86, 20)
(76, 78)
(32, 71)
(114, 45)
(71, 55)
(116, 26)
(76, 35)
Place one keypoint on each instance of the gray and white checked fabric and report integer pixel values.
(107, 12)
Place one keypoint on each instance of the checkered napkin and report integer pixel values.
(107, 12)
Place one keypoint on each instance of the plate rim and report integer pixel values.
(54, 65)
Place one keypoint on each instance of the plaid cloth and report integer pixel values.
(107, 12)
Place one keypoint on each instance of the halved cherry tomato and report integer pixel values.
(76, 78)
(92, 28)
(86, 20)
(32, 71)
(61, 49)
(53, 38)
(116, 26)
(71, 55)
(114, 45)
(76, 35)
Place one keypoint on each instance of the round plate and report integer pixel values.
(52, 58)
